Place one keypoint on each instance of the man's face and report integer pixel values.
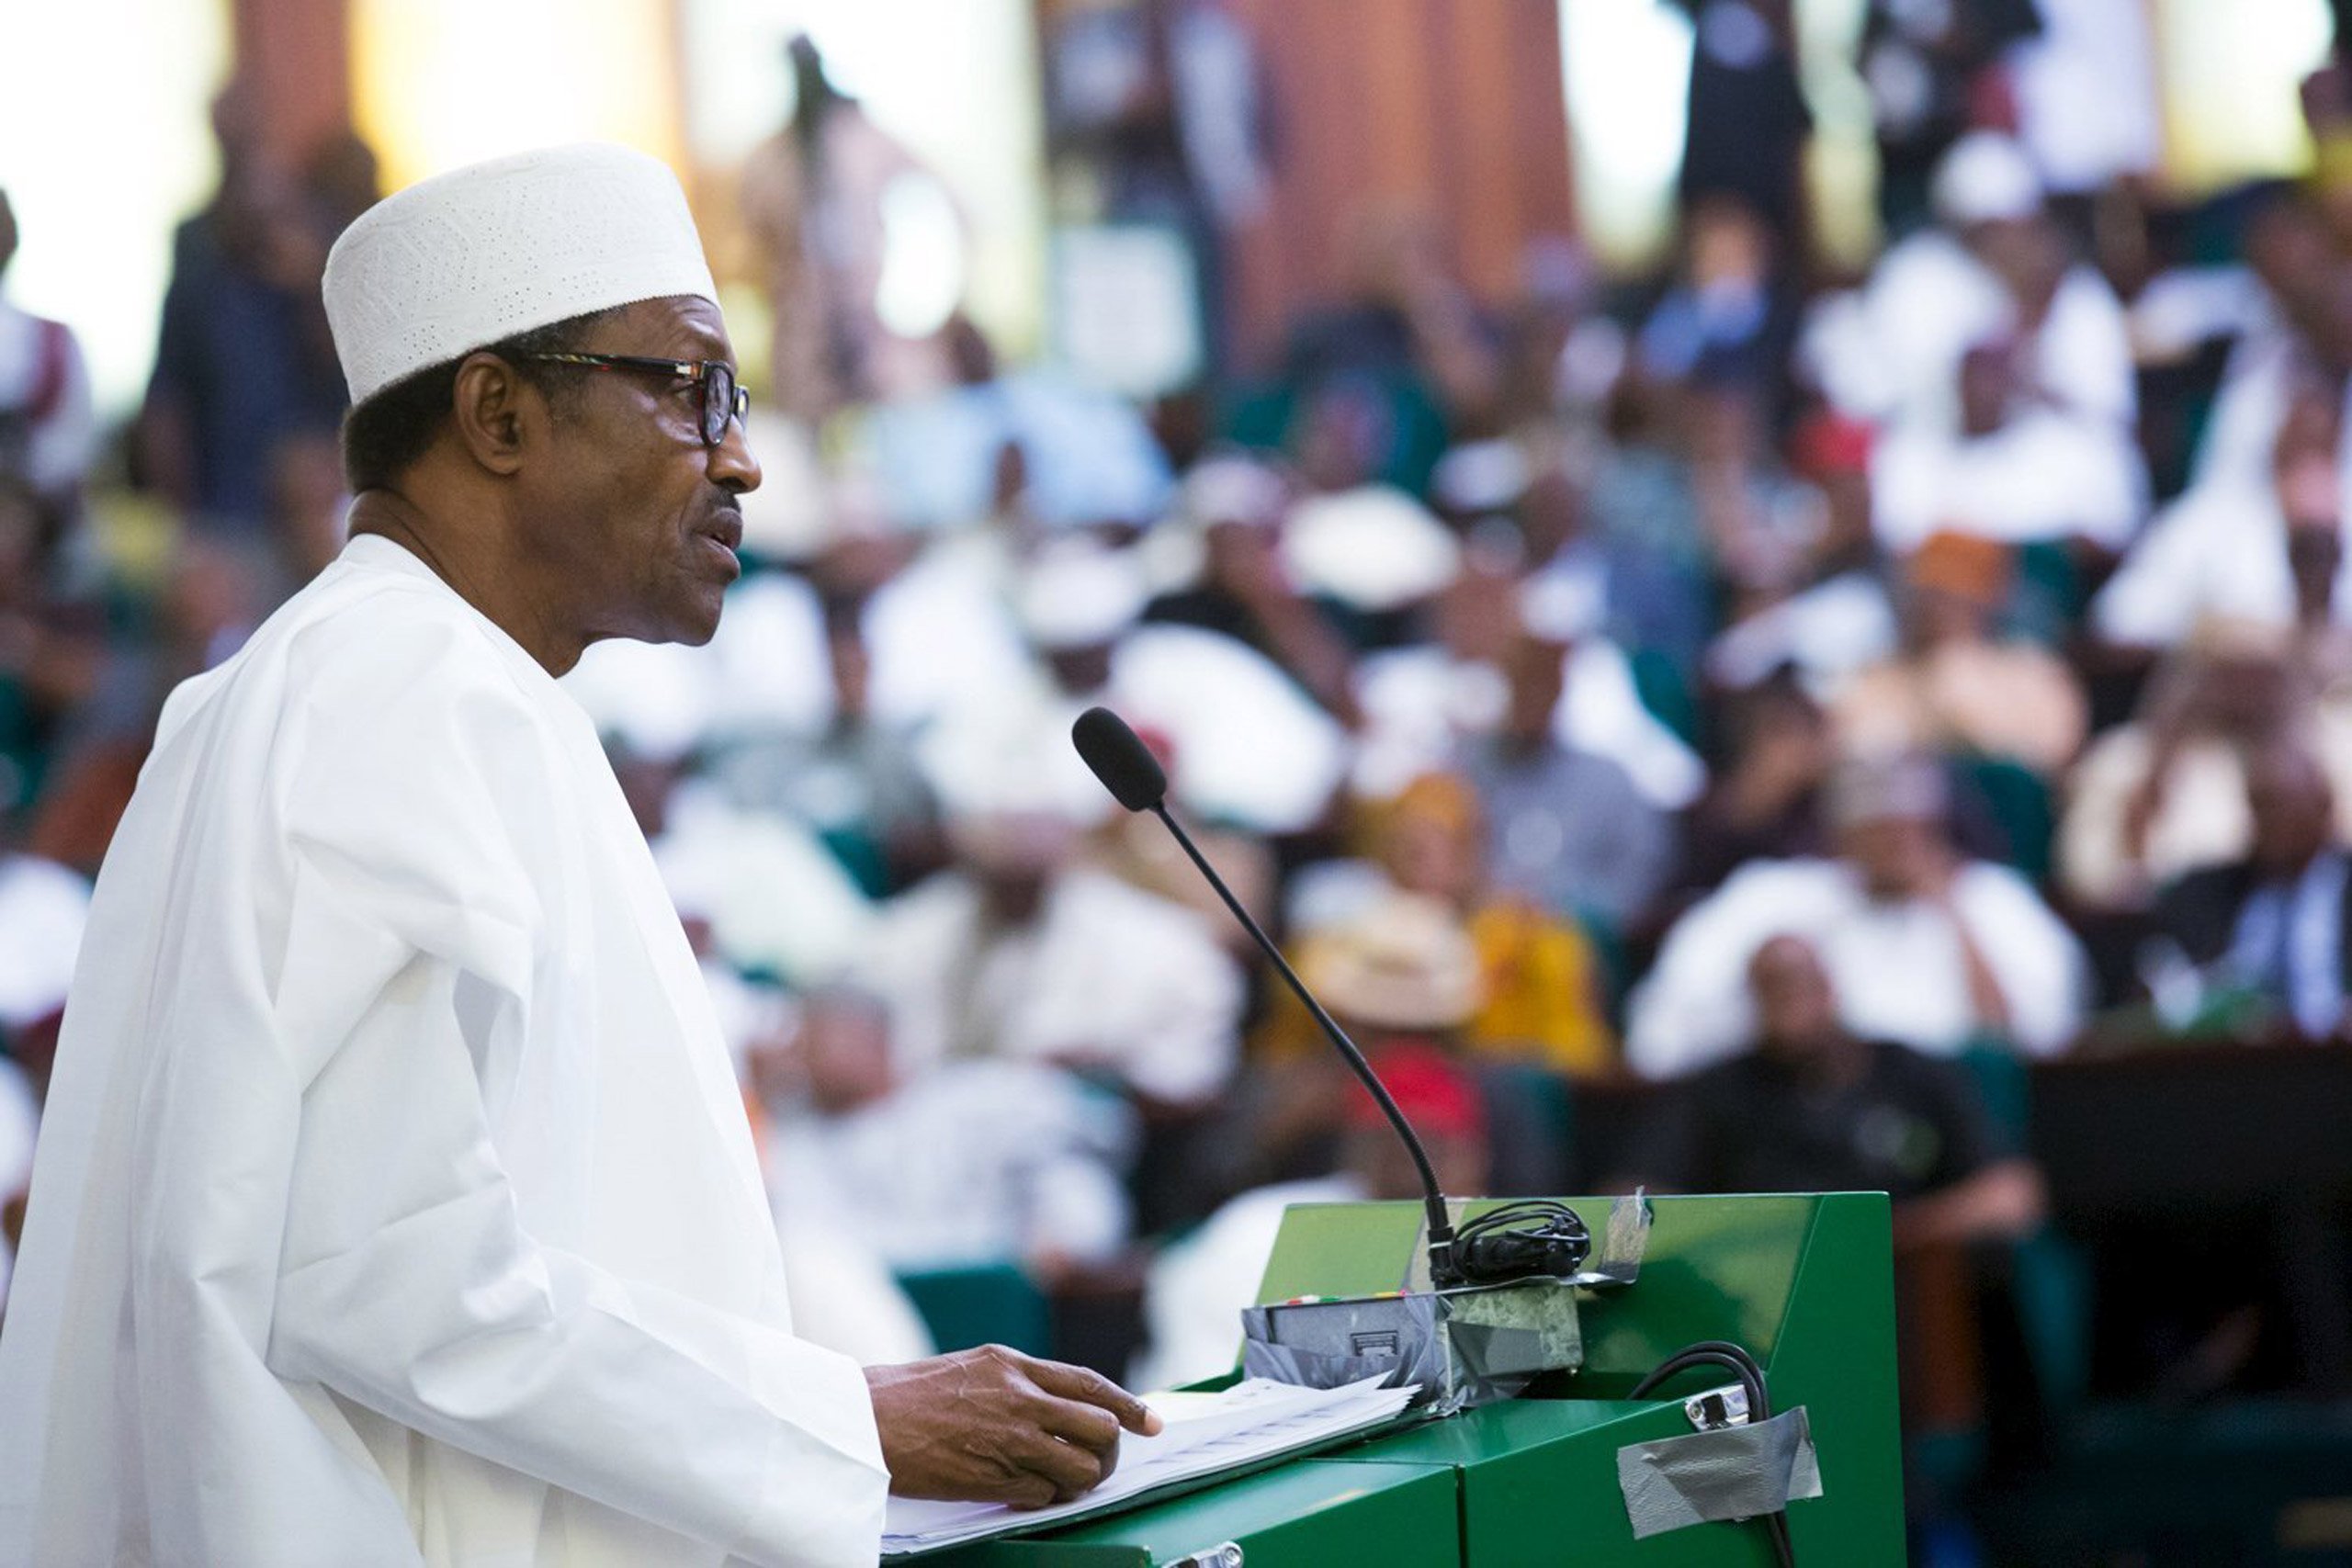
(1538, 674)
(1796, 1010)
(643, 517)
(1888, 850)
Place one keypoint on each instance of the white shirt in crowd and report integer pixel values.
(1108, 974)
(40, 362)
(1198, 1286)
(1897, 966)
(2043, 475)
(2217, 553)
(395, 1201)
(1892, 353)
(968, 1162)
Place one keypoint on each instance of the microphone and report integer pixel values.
(1127, 768)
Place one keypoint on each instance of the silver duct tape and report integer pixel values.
(1334, 1343)
(1738, 1473)
(1465, 1347)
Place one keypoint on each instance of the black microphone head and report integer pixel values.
(1120, 759)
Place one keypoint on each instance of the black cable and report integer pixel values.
(1724, 1353)
(1526, 1238)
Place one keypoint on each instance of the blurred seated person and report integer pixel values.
(1401, 974)
(1408, 326)
(1367, 549)
(1019, 952)
(1725, 315)
(2268, 932)
(1250, 749)
(1809, 1106)
(2230, 549)
(1813, 1106)
(2014, 470)
(2164, 794)
(1993, 267)
(1646, 599)
(1958, 686)
(1196, 1289)
(1571, 832)
(53, 653)
(855, 782)
(956, 1163)
(1834, 615)
(1425, 705)
(1542, 992)
(1766, 800)
(1925, 948)
(1235, 507)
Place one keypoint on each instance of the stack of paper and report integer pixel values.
(1206, 1434)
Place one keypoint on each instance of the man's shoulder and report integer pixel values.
(361, 636)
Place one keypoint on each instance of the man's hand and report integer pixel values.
(994, 1425)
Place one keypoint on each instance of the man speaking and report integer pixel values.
(394, 1203)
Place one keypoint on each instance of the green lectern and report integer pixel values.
(1805, 1284)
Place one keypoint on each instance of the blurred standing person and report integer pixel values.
(1933, 71)
(243, 360)
(47, 431)
(814, 194)
(1747, 123)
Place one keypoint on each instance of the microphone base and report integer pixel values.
(1465, 1346)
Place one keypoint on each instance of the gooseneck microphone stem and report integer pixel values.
(1442, 1271)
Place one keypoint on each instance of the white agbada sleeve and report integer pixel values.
(394, 1203)
(409, 1281)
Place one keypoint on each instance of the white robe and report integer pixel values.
(394, 1203)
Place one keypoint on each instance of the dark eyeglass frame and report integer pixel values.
(723, 396)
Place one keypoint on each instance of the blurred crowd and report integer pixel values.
(1771, 700)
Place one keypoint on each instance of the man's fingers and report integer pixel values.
(1090, 1426)
(1087, 1427)
(1028, 1491)
(1093, 1388)
(1069, 1468)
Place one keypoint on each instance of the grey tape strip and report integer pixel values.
(1737, 1473)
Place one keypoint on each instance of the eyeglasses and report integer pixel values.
(723, 399)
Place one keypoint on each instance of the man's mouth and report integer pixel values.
(725, 528)
(724, 534)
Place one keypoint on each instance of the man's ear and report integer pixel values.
(493, 409)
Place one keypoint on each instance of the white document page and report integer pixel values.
(1205, 1433)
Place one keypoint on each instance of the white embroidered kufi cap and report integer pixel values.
(481, 253)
